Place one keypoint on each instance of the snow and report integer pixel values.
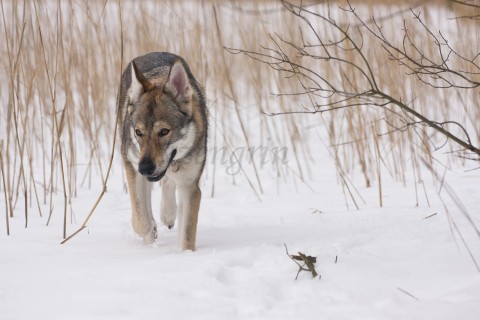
(375, 263)
(400, 261)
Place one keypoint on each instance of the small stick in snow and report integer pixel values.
(408, 293)
(430, 216)
(308, 261)
(316, 211)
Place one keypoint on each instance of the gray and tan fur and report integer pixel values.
(163, 130)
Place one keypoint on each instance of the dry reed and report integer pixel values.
(60, 72)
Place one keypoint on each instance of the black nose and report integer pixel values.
(146, 167)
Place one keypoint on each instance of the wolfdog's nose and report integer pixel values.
(146, 167)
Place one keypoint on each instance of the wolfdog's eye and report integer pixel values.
(138, 133)
(163, 132)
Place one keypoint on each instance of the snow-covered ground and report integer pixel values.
(375, 263)
(401, 261)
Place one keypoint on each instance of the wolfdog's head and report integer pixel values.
(159, 120)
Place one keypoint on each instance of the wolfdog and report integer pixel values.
(163, 131)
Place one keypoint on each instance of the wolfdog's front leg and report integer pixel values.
(140, 196)
(189, 203)
(168, 206)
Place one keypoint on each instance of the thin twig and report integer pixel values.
(407, 293)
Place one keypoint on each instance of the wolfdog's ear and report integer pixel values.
(178, 86)
(139, 84)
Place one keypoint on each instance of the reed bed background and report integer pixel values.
(61, 65)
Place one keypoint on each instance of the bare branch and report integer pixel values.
(440, 70)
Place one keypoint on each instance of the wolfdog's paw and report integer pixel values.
(151, 235)
(168, 219)
(187, 245)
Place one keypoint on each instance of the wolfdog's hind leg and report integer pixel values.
(168, 206)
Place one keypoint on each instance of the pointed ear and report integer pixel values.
(140, 83)
(179, 88)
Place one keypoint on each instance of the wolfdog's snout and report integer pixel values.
(146, 167)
